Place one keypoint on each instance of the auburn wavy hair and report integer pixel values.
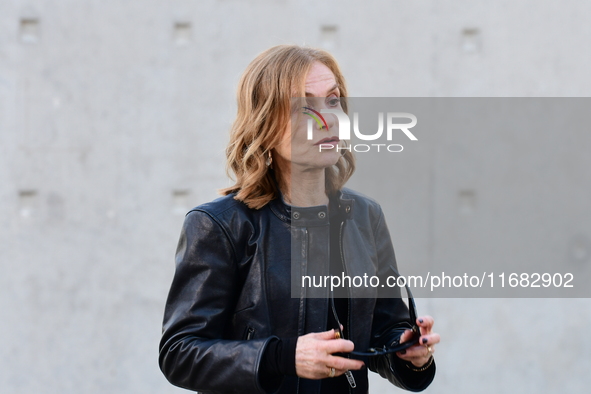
(264, 98)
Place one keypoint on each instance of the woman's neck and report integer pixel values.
(304, 188)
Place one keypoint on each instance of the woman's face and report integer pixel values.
(322, 92)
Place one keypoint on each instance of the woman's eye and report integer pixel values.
(334, 102)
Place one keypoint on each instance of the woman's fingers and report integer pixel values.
(417, 352)
(422, 352)
(406, 335)
(314, 356)
(431, 339)
(338, 346)
(326, 335)
(422, 349)
(418, 355)
(425, 324)
(343, 363)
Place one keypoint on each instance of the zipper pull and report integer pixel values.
(350, 379)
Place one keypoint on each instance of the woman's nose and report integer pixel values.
(331, 121)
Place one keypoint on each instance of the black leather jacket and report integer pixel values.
(231, 293)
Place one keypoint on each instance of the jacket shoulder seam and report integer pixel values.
(217, 221)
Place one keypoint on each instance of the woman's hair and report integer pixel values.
(264, 110)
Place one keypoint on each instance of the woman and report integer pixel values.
(231, 324)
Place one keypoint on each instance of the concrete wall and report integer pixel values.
(113, 121)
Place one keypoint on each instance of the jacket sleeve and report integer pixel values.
(193, 352)
(391, 319)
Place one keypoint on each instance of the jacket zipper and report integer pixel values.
(249, 333)
(303, 297)
(348, 374)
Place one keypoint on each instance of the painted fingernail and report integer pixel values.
(425, 340)
(403, 352)
(420, 320)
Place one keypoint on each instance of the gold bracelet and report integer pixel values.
(410, 365)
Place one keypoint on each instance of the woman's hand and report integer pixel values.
(420, 354)
(314, 358)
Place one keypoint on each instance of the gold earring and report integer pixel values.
(269, 160)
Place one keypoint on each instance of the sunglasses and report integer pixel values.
(393, 347)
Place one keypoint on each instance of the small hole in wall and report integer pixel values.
(27, 202)
(29, 30)
(182, 33)
(180, 201)
(467, 201)
(471, 40)
(329, 35)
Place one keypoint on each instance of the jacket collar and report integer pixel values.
(310, 216)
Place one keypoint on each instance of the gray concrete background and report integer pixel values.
(113, 120)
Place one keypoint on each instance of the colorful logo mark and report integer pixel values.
(316, 118)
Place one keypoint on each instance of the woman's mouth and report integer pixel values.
(329, 140)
